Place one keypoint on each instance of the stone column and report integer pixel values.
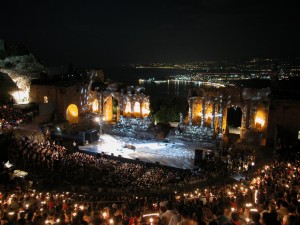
(203, 112)
(252, 114)
(245, 116)
(244, 126)
(121, 103)
(221, 116)
(141, 109)
(132, 108)
(243, 123)
(213, 115)
(191, 112)
(100, 102)
(180, 118)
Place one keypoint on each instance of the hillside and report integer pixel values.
(16, 73)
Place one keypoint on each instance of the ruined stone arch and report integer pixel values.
(112, 106)
(145, 108)
(72, 113)
(136, 109)
(95, 105)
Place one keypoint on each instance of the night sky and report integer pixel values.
(95, 33)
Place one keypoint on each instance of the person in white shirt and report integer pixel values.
(166, 216)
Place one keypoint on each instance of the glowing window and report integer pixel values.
(145, 109)
(137, 107)
(45, 99)
(95, 105)
(260, 119)
(299, 135)
(72, 113)
(208, 116)
(128, 107)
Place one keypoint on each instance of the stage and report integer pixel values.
(179, 155)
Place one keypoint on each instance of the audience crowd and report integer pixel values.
(48, 159)
(270, 197)
(11, 118)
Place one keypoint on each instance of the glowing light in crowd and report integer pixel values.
(151, 214)
(248, 205)
(255, 196)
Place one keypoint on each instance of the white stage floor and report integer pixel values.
(179, 155)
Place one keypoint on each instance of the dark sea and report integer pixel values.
(130, 76)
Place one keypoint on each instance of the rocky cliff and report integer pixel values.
(16, 73)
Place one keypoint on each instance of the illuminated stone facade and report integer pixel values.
(113, 104)
(208, 109)
(68, 99)
(284, 120)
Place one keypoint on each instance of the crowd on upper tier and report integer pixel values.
(11, 118)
